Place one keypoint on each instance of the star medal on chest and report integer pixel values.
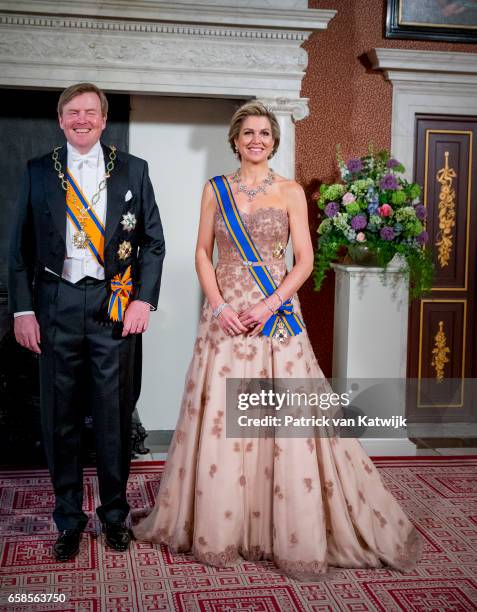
(279, 250)
(129, 221)
(125, 250)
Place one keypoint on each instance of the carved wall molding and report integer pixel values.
(161, 52)
(297, 108)
(411, 65)
(137, 47)
(157, 28)
(425, 82)
(259, 13)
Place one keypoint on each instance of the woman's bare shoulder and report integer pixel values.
(289, 188)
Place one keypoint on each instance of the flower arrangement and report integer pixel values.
(374, 210)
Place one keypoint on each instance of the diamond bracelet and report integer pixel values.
(218, 311)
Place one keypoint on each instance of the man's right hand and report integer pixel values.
(27, 332)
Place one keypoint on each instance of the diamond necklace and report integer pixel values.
(252, 192)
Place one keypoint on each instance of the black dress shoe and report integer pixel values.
(118, 536)
(67, 545)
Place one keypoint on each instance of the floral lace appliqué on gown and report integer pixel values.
(305, 503)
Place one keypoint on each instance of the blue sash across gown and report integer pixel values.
(283, 318)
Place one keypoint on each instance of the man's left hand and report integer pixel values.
(136, 318)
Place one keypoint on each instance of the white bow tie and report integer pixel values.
(90, 159)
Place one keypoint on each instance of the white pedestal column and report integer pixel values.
(370, 339)
(288, 112)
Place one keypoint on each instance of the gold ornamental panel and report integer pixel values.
(441, 352)
(445, 176)
(469, 134)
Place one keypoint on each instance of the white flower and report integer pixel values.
(341, 221)
(325, 226)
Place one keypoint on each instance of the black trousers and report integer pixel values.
(84, 360)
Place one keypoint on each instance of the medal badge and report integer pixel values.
(281, 333)
(129, 221)
(125, 250)
(279, 250)
(80, 239)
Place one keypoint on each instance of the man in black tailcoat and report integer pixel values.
(84, 273)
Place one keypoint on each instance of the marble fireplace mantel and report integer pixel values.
(249, 49)
(200, 48)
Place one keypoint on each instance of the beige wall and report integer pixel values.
(184, 142)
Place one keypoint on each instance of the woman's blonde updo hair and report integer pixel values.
(253, 109)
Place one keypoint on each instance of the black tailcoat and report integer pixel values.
(77, 345)
(39, 229)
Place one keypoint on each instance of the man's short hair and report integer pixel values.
(80, 88)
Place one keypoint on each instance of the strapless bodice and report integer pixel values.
(268, 228)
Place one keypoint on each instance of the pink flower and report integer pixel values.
(360, 237)
(385, 210)
(348, 198)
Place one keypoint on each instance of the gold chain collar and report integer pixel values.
(102, 184)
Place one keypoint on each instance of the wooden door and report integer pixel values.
(442, 339)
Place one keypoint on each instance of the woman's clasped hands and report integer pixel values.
(251, 320)
(230, 323)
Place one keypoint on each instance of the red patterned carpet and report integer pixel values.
(439, 494)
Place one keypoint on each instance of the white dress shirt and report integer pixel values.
(88, 172)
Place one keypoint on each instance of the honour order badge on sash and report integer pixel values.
(89, 231)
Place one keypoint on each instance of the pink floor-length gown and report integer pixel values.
(306, 503)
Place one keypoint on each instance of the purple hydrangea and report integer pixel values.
(358, 222)
(387, 233)
(332, 209)
(354, 165)
(421, 212)
(389, 181)
(392, 163)
(422, 238)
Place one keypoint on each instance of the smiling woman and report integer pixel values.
(241, 130)
(229, 493)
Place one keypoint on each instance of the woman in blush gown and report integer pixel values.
(306, 503)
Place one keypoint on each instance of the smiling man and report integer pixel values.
(84, 272)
